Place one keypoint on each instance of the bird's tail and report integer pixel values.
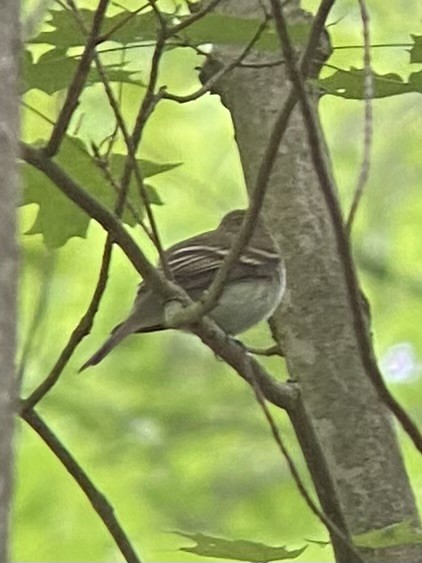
(118, 334)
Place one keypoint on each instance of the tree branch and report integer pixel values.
(196, 16)
(122, 23)
(82, 329)
(338, 531)
(78, 82)
(98, 501)
(367, 133)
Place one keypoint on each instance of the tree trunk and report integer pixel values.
(9, 104)
(315, 324)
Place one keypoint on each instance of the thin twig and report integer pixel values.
(196, 16)
(104, 167)
(98, 501)
(222, 72)
(131, 147)
(113, 137)
(78, 82)
(183, 43)
(148, 104)
(368, 95)
(374, 46)
(82, 329)
(106, 36)
(143, 45)
(159, 16)
(364, 345)
(271, 351)
(269, 64)
(330, 525)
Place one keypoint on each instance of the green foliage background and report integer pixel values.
(169, 434)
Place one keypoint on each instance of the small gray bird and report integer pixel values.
(253, 289)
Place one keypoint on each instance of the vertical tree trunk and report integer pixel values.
(315, 324)
(9, 104)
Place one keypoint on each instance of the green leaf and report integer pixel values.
(402, 533)
(214, 28)
(66, 31)
(350, 84)
(416, 50)
(240, 550)
(148, 167)
(229, 30)
(58, 218)
(53, 71)
(321, 543)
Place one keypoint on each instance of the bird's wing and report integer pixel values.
(195, 262)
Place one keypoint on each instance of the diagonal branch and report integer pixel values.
(340, 534)
(367, 132)
(341, 238)
(78, 82)
(196, 16)
(98, 501)
(82, 329)
(106, 36)
(103, 164)
(147, 106)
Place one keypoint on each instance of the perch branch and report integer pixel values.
(282, 395)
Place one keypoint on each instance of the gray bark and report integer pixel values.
(314, 324)
(9, 104)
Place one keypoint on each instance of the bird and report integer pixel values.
(252, 291)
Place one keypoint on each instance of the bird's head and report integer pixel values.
(233, 220)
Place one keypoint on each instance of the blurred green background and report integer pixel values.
(172, 437)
